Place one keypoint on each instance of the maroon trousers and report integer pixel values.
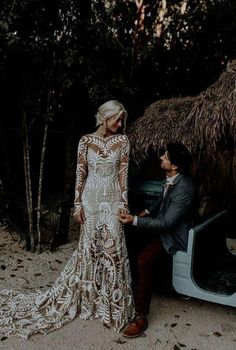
(148, 259)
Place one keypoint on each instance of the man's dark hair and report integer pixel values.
(179, 155)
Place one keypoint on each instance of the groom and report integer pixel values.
(168, 221)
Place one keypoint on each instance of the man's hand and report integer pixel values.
(126, 218)
(142, 213)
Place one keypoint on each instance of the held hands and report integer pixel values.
(122, 211)
(126, 218)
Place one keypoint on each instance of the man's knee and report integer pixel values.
(146, 261)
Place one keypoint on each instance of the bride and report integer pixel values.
(96, 281)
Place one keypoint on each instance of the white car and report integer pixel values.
(207, 270)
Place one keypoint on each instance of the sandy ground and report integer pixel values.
(174, 323)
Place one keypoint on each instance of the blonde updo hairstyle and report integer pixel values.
(109, 109)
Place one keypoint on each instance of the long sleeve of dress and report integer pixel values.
(123, 173)
(81, 174)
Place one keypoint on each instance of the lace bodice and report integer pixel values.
(102, 165)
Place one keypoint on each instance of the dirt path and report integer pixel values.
(174, 323)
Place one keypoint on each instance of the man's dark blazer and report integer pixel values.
(172, 215)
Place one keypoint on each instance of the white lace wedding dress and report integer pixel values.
(96, 281)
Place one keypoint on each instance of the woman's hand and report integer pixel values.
(80, 216)
(122, 211)
(126, 218)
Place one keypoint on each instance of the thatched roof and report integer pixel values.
(207, 121)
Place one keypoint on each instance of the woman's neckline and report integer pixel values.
(104, 138)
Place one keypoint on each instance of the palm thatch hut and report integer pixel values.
(206, 124)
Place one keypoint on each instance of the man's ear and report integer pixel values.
(174, 167)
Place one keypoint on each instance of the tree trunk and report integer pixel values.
(69, 177)
(30, 239)
(6, 177)
(39, 200)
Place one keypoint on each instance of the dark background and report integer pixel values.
(61, 59)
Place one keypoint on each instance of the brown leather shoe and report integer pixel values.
(135, 328)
